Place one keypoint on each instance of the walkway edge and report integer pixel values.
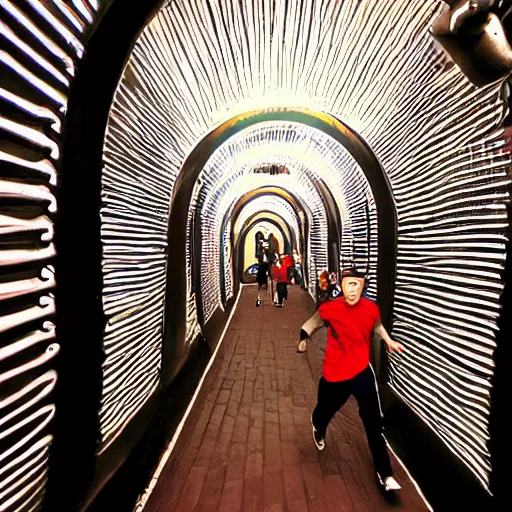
(404, 467)
(143, 499)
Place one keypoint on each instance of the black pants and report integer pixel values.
(331, 398)
(282, 292)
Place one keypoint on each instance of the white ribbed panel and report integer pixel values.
(228, 262)
(193, 328)
(373, 64)
(36, 73)
(229, 175)
(137, 184)
(309, 155)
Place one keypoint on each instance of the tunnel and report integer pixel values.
(144, 146)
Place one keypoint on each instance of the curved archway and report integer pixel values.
(280, 137)
(334, 223)
(69, 227)
(174, 352)
(240, 243)
(197, 236)
(303, 223)
(233, 170)
(232, 215)
(253, 220)
(273, 218)
(239, 263)
(294, 202)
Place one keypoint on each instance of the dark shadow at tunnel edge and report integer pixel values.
(446, 482)
(129, 482)
(501, 394)
(74, 474)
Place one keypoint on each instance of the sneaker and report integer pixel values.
(389, 484)
(258, 303)
(279, 305)
(319, 441)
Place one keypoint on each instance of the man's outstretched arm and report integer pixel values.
(309, 327)
(382, 333)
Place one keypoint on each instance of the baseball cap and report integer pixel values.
(351, 272)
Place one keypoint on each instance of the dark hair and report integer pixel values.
(351, 272)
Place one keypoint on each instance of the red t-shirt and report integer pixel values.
(348, 355)
(279, 274)
(288, 261)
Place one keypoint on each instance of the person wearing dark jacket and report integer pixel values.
(351, 322)
(262, 277)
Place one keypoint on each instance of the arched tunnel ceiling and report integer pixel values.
(307, 150)
(271, 222)
(270, 203)
(310, 156)
(210, 275)
(374, 65)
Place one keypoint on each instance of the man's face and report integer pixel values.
(352, 289)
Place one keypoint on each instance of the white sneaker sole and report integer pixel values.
(390, 485)
(318, 446)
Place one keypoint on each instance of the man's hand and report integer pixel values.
(394, 345)
(302, 346)
(391, 344)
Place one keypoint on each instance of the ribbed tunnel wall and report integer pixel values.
(433, 132)
(370, 63)
(310, 155)
(229, 175)
(40, 51)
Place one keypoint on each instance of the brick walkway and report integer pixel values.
(247, 443)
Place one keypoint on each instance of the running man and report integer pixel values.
(351, 322)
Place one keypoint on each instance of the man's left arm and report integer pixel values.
(382, 333)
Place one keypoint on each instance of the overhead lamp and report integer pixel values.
(472, 33)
